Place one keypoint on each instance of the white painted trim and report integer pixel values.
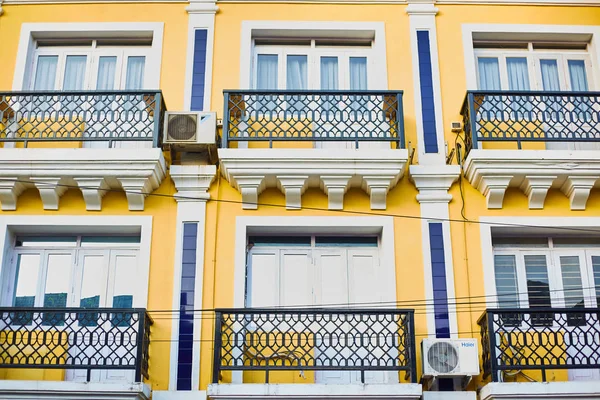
(50, 390)
(74, 223)
(582, 3)
(30, 30)
(178, 395)
(540, 390)
(378, 48)
(469, 53)
(422, 18)
(192, 182)
(200, 19)
(487, 256)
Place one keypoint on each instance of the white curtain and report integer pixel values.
(135, 73)
(266, 71)
(106, 73)
(518, 73)
(297, 72)
(489, 73)
(550, 80)
(358, 73)
(329, 73)
(45, 74)
(582, 105)
(578, 77)
(553, 113)
(75, 72)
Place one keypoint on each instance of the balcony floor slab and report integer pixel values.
(314, 391)
(52, 390)
(579, 390)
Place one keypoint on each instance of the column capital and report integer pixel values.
(202, 7)
(421, 7)
(193, 181)
(434, 181)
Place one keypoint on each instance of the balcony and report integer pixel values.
(535, 141)
(108, 346)
(299, 139)
(550, 345)
(96, 140)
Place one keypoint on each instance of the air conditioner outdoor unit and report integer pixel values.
(190, 130)
(450, 357)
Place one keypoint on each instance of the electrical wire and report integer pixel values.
(352, 212)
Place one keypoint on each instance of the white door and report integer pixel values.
(105, 280)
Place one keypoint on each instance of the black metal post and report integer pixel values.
(140, 346)
(226, 114)
(400, 121)
(473, 121)
(492, 346)
(218, 339)
(413, 351)
(157, 119)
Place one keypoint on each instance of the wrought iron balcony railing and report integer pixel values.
(75, 339)
(82, 116)
(314, 340)
(539, 339)
(530, 116)
(313, 116)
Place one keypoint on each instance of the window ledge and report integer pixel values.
(575, 173)
(540, 390)
(312, 391)
(250, 171)
(52, 171)
(73, 390)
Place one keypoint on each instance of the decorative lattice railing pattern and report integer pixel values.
(539, 339)
(82, 116)
(314, 116)
(75, 338)
(530, 116)
(314, 340)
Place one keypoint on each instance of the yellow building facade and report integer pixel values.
(255, 199)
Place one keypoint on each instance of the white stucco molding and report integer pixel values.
(94, 171)
(434, 181)
(540, 390)
(293, 170)
(202, 7)
(192, 181)
(26, 390)
(575, 173)
(298, 391)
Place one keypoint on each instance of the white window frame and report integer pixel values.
(533, 58)
(11, 226)
(550, 31)
(313, 54)
(30, 32)
(315, 29)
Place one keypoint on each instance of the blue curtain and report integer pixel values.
(296, 79)
(518, 79)
(579, 83)
(489, 79)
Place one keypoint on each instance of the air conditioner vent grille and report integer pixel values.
(182, 127)
(442, 357)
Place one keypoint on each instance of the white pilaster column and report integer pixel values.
(421, 16)
(192, 183)
(433, 182)
(201, 15)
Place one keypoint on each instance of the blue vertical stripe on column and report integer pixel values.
(199, 70)
(186, 306)
(438, 273)
(426, 84)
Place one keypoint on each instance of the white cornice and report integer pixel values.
(580, 390)
(192, 181)
(208, 9)
(434, 181)
(94, 171)
(15, 389)
(575, 173)
(293, 170)
(202, 7)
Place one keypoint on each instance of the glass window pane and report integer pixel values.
(279, 240)
(56, 288)
(358, 73)
(489, 73)
(549, 69)
(46, 241)
(125, 268)
(110, 241)
(518, 73)
(346, 241)
(538, 285)
(45, 73)
(297, 72)
(135, 73)
(329, 73)
(571, 278)
(505, 269)
(577, 75)
(93, 288)
(75, 72)
(106, 73)
(266, 71)
(26, 280)
(596, 270)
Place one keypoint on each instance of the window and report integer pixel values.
(97, 65)
(312, 65)
(561, 274)
(533, 67)
(73, 271)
